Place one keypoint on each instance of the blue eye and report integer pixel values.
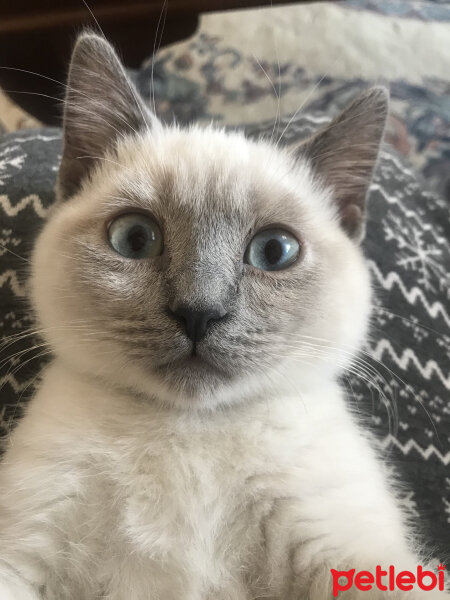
(272, 250)
(135, 236)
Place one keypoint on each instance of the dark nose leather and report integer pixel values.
(196, 322)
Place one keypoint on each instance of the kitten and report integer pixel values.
(201, 293)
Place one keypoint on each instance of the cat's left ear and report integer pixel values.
(344, 155)
(101, 106)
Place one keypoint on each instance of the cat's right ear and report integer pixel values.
(101, 106)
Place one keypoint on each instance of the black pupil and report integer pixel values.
(273, 251)
(137, 238)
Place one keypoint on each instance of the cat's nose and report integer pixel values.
(196, 322)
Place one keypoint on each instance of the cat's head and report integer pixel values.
(195, 266)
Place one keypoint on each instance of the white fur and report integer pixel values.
(105, 494)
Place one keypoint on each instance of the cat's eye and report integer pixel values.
(272, 250)
(135, 235)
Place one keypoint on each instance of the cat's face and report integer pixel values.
(196, 266)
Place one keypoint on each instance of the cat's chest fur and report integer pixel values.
(190, 486)
(178, 502)
(196, 501)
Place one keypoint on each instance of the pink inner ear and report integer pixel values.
(351, 218)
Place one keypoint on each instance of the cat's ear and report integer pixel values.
(344, 155)
(101, 105)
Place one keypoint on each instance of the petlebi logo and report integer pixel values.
(388, 579)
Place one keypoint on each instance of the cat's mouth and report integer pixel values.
(194, 363)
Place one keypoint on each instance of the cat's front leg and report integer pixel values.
(314, 558)
(41, 490)
(25, 528)
(342, 518)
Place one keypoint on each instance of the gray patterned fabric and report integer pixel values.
(403, 388)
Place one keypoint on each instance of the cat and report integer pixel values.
(201, 293)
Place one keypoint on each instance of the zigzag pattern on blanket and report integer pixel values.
(404, 387)
(13, 211)
(411, 445)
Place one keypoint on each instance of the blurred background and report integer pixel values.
(249, 63)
